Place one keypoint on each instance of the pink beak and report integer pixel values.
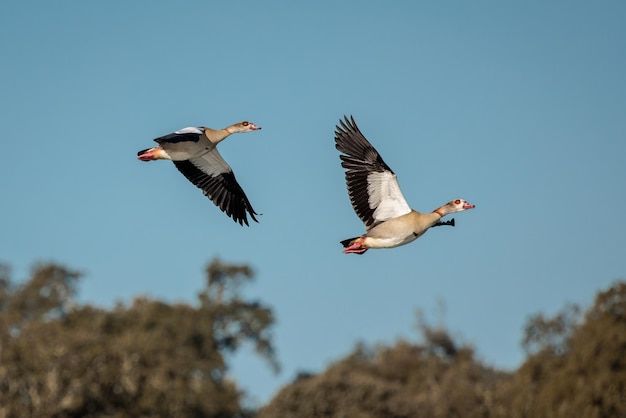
(468, 205)
(149, 154)
(254, 127)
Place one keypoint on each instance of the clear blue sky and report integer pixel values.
(517, 108)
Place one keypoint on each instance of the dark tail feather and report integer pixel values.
(347, 242)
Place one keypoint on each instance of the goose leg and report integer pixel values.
(450, 223)
(355, 247)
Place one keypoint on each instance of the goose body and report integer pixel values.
(377, 199)
(193, 150)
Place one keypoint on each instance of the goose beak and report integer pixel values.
(147, 154)
(468, 205)
(254, 127)
(150, 154)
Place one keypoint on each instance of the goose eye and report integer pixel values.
(457, 202)
(245, 124)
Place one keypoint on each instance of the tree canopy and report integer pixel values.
(576, 367)
(147, 359)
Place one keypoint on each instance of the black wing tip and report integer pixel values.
(348, 121)
(347, 125)
(239, 214)
(244, 219)
(236, 204)
(247, 210)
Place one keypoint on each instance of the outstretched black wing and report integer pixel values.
(214, 177)
(372, 185)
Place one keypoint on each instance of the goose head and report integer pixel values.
(457, 205)
(242, 127)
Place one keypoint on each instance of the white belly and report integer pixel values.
(392, 234)
(371, 242)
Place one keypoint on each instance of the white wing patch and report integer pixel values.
(385, 197)
(189, 130)
(211, 163)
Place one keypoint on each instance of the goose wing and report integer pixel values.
(216, 179)
(372, 186)
(189, 134)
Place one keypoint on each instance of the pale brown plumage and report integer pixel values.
(376, 197)
(193, 151)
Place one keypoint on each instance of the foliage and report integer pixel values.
(154, 359)
(576, 367)
(550, 334)
(436, 379)
(148, 359)
(587, 376)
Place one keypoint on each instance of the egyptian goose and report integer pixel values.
(193, 151)
(376, 197)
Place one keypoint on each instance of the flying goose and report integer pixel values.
(193, 151)
(376, 197)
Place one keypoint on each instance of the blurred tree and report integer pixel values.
(578, 369)
(48, 294)
(153, 359)
(550, 334)
(148, 359)
(439, 378)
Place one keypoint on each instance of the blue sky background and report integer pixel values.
(519, 108)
